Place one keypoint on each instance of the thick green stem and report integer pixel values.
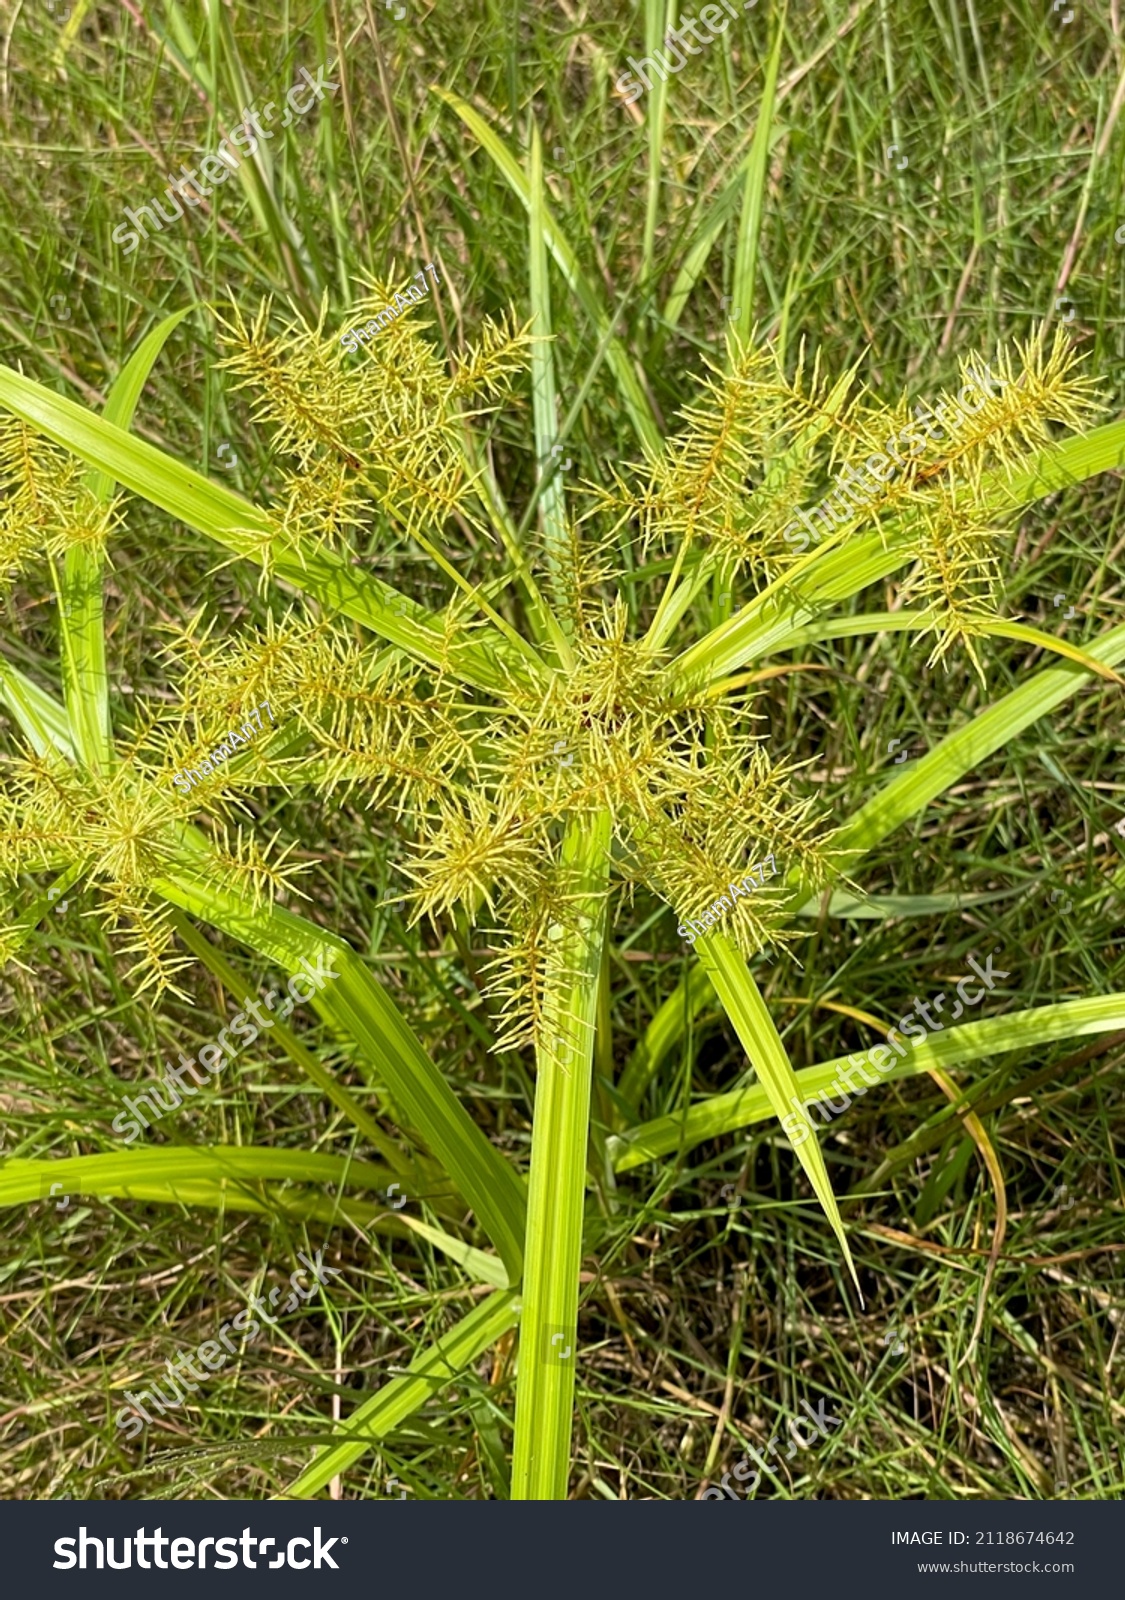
(557, 1190)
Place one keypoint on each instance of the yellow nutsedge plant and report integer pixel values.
(553, 743)
(483, 790)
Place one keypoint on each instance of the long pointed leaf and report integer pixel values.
(552, 506)
(989, 731)
(754, 194)
(426, 1376)
(357, 1004)
(81, 619)
(742, 1000)
(970, 1042)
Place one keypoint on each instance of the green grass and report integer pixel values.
(701, 1322)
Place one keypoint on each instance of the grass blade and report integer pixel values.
(185, 1173)
(754, 193)
(656, 12)
(552, 506)
(85, 679)
(1050, 642)
(427, 1374)
(242, 991)
(204, 1177)
(41, 720)
(636, 402)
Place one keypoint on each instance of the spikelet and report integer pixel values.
(20, 543)
(149, 936)
(118, 829)
(471, 851)
(735, 808)
(322, 509)
(579, 569)
(299, 382)
(45, 505)
(958, 581)
(815, 408)
(520, 967)
(489, 367)
(698, 485)
(241, 866)
(543, 922)
(1013, 425)
(37, 477)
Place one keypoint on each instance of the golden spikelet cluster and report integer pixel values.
(762, 447)
(484, 792)
(482, 783)
(378, 431)
(298, 382)
(487, 368)
(123, 831)
(743, 459)
(956, 540)
(1013, 425)
(690, 793)
(45, 506)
